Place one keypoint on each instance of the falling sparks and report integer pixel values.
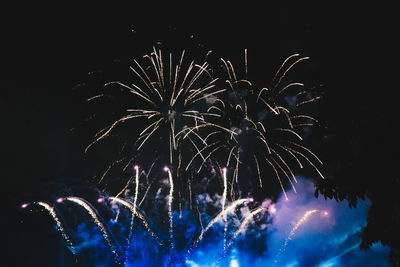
(223, 201)
(223, 213)
(136, 190)
(170, 202)
(280, 144)
(142, 218)
(172, 94)
(53, 214)
(184, 105)
(91, 211)
(244, 224)
(299, 223)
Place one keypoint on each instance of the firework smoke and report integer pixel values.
(312, 221)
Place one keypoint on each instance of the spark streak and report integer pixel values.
(136, 190)
(299, 223)
(223, 201)
(142, 218)
(53, 214)
(170, 201)
(246, 221)
(92, 212)
(226, 211)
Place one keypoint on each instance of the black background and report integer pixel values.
(48, 47)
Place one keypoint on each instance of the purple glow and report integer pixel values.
(100, 199)
(166, 169)
(59, 200)
(136, 167)
(272, 209)
(24, 205)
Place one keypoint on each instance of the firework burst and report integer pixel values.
(268, 126)
(170, 100)
(194, 115)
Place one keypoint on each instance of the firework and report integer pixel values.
(174, 101)
(223, 213)
(223, 201)
(300, 222)
(136, 189)
(51, 210)
(193, 117)
(92, 212)
(170, 201)
(142, 218)
(248, 111)
(201, 114)
(136, 168)
(244, 224)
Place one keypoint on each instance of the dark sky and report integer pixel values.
(48, 47)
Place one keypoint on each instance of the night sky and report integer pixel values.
(48, 48)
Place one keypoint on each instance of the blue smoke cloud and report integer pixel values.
(329, 237)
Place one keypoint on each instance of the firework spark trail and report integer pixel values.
(228, 210)
(300, 222)
(53, 214)
(133, 209)
(170, 201)
(92, 212)
(223, 201)
(142, 218)
(136, 190)
(243, 225)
